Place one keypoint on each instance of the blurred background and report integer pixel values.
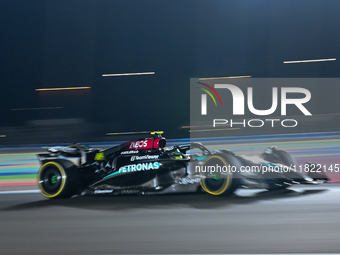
(66, 44)
(63, 66)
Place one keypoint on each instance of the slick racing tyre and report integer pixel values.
(58, 179)
(219, 174)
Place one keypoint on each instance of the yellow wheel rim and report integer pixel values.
(63, 179)
(226, 182)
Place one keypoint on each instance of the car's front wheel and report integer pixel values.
(219, 174)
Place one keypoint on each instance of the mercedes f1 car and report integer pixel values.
(147, 166)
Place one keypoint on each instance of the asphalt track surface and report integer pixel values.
(19, 165)
(302, 219)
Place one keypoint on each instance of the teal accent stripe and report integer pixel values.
(201, 157)
(111, 175)
(19, 161)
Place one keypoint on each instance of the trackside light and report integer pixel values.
(309, 60)
(129, 133)
(229, 77)
(41, 108)
(127, 74)
(209, 130)
(68, 88)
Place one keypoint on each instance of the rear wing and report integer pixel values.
(77, 153)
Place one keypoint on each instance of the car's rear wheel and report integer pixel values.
(219, 174)
(57, 180)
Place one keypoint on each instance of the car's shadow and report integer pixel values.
(198, 201)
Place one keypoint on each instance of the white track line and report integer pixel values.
(32, 191)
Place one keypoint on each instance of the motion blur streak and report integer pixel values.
(205, 130)
(127, 74)
(19, 184)
(303, 219)
(309, 61)
(31, 191)
(68, 88)
(230, 77)
(129, 133)
(41, 108)
(18, 170)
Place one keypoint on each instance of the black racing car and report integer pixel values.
(147, 166)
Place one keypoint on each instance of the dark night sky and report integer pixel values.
(73, 42)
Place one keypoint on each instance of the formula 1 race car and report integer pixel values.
(147, 166)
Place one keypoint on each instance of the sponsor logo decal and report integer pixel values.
(136, 167)
(129, 152)
(188, 180)
(133, 158)
(139, 144)
(103, 191)
(139, 167)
